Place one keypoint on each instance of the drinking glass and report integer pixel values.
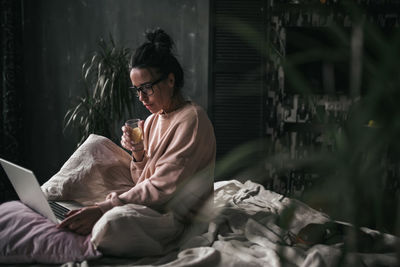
(135, 132)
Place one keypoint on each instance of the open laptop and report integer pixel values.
(30, 193)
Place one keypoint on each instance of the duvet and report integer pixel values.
(247, 226)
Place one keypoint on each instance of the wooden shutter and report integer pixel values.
(237, 80)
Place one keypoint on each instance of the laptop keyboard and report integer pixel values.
(58, 210)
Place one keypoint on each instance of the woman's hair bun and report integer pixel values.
(156, 53)
(159, 38)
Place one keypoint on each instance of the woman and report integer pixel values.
(172, 167)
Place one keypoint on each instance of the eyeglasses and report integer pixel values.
(147, 88)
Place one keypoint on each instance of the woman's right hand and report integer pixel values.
(82, 220)
(127, 142)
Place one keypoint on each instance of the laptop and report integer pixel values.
(30, 193)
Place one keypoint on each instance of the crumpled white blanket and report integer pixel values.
(246, 231)
(249, 226)
(250, 232)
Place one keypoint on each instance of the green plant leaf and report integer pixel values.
(107, 97)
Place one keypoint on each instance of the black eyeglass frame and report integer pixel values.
(147, 86)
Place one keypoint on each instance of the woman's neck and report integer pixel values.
(176, 102)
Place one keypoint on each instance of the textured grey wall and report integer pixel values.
(59, 35)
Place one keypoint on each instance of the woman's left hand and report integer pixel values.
(81, 221)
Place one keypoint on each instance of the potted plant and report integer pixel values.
(107, 99)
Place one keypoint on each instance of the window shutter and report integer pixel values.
(237, 73)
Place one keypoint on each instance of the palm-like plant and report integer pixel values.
(106, 100)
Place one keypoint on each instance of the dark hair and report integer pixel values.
(157, 52)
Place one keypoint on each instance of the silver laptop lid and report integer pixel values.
(28, 189)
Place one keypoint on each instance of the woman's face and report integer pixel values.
(163, 90)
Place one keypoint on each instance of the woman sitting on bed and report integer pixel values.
(172, 168)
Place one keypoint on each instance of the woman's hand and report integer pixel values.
(128, 143)
(81, 221)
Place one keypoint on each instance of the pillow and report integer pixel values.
(28, 237)
(97, 168)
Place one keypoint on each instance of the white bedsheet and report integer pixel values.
(249, 226)
(246, 232)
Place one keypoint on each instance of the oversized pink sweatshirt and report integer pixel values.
(177, 171)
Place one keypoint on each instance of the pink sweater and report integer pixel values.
(177, 171)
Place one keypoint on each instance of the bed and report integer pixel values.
(247, 231)
(247, 226)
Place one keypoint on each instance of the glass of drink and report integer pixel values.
(135, 132)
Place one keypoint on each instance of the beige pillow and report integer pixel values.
(95, 169)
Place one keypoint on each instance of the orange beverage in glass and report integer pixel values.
(135, 132)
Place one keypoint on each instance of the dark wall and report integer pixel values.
(58, 36)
